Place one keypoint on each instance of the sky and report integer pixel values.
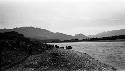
(88, 17)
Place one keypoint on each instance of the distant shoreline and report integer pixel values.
(90, 41)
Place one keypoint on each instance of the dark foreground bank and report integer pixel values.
(20, 54)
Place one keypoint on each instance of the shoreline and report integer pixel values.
(62, 59)
(87, 41)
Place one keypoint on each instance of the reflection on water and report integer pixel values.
(112, 53)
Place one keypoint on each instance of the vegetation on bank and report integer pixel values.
(101, 39)
(15, 48)
(22, 54)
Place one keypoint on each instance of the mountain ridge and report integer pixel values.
(42, 34)
(109, 33)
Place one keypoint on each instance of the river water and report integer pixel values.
(112, 53)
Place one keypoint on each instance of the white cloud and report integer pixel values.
(67, 16)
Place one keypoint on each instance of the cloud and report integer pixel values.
(67, 16)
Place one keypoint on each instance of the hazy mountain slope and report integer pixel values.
(110, 33)
(63, 36)
(80, 36)
(38, 33)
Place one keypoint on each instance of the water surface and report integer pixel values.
(112, 53)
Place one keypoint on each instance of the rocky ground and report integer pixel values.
(61, 60)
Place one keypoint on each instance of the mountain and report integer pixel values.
(80, 36)
(109, 33)
(37, 33)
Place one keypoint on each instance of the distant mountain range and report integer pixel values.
(109, 33)
(80, 36)
(42, 34)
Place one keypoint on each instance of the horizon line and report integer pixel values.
(53, 31)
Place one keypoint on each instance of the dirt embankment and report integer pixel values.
(61, 60)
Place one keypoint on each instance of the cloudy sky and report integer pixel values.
(88, 17)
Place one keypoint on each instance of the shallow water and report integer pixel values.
(112, 53)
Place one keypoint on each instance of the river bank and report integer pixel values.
(61, 60)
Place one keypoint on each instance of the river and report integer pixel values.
(112, 53)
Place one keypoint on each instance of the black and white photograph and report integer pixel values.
(62, 35)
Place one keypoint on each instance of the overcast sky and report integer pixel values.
(88, 17)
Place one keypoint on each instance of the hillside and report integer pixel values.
(37, 33)
(15, 48)
(80, 36)
(109, 33)
(43, 34)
